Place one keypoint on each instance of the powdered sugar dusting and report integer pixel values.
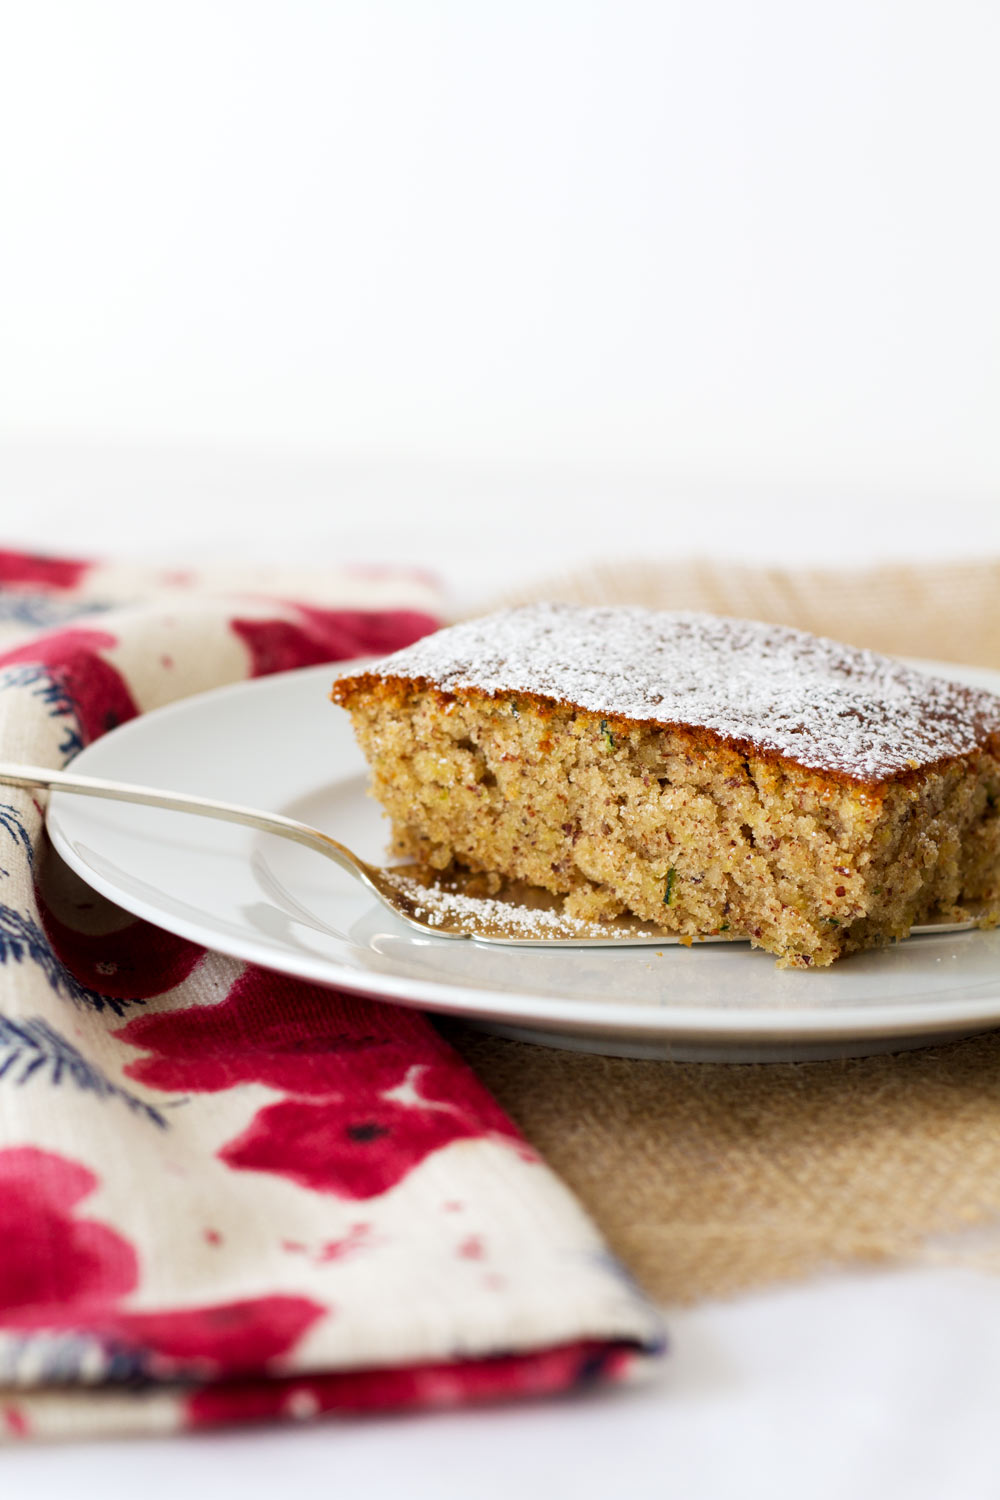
(826, 706)
(485, 914)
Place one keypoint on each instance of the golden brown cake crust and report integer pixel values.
(782, 695)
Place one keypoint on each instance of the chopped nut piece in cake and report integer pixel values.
(706, 774)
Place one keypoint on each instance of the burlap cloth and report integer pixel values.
(709, 1178)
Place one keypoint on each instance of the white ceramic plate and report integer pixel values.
(278, 743)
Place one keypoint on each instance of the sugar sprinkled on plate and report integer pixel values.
(454, 909)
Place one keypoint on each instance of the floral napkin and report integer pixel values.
(225, 1194)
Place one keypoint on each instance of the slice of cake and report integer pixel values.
(707, 774)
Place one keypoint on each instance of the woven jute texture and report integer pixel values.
(712, 1178)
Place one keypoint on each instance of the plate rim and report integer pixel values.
(683, 1025)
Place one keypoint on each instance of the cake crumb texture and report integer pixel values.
(704, 774)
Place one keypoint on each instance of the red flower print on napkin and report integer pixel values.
(225, 1338)
(132, 962)
(356, 1147)
(372, 1089)
(68, 1273)
(320, 635)
(498, 1378)
(73, 659)
(56, 1270)
(31, 571)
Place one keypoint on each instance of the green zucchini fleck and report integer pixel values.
(514, 709)
(606, 732)
(668, 895)
(724, 927)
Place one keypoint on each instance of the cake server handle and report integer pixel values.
(40, 778)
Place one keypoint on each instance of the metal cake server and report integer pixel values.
(515, 913)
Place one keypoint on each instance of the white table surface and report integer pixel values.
(858, 1383)
(863, 1386)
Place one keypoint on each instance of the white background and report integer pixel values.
(498, 288)
(502, 286)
